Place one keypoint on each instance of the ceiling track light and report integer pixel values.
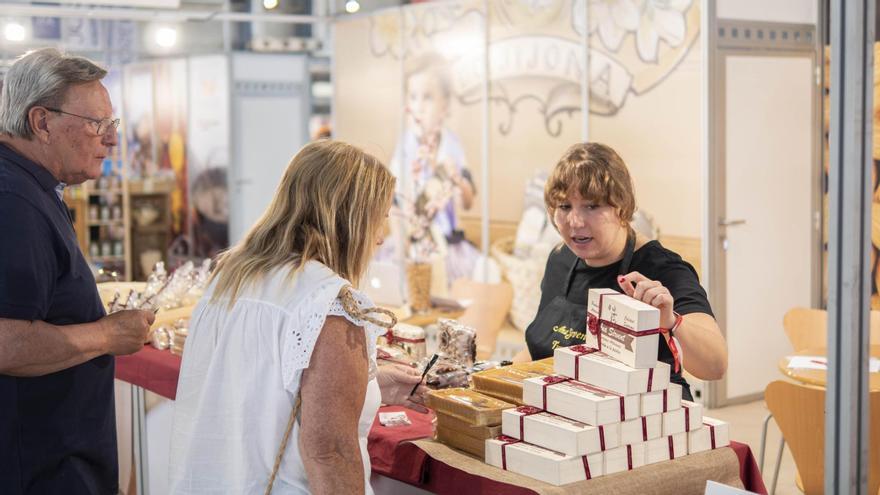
(14, 31)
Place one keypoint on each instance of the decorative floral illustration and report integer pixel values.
(385, 34)
(634, 46)
(649, 20)
(613, 19)
(661, 20)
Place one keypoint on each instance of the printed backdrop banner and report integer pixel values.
(644, 100)
(208, 154)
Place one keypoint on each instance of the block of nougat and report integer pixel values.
(457, 342)
(455, 439)
(506, 383)
(467, 405)
(451, 423)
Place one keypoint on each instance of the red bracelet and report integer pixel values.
(673, 348)
(671, 330)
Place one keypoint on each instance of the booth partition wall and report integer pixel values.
(513, 89)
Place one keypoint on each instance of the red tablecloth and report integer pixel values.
(151, 369)
(390, 453)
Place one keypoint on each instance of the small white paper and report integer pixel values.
(398, 418)
(821, 363)
(808, 362)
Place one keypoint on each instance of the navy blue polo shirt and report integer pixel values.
(57, 431)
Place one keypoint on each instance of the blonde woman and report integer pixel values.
(280, 322)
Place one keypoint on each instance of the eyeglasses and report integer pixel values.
(102, 125)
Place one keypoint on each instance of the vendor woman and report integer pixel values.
(590, 199)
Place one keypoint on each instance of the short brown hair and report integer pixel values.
(598, 173)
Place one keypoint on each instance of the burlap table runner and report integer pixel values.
(686, 475)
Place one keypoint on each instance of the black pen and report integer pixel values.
(425, 372)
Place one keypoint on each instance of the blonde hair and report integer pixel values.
(598, 173)
(432, 64)
(329, 207)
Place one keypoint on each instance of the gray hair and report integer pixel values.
(40, 77)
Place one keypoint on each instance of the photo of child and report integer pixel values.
(431, 158)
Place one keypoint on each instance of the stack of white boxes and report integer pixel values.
(604, 411)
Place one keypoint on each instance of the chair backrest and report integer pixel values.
(807, 328)
(799, 410)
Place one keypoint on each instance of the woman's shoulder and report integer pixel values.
(288, 287)
(561, 255)
(654, 258)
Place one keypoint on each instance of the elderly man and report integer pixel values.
(57, 424)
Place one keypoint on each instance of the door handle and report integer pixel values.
(730, 223)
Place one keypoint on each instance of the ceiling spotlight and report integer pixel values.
(352, 6)
(166, 37)
(14, 32)
(270, 4)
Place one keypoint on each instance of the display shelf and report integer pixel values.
(150, 225)
(108, 259)
(97, 223)
(100, 216)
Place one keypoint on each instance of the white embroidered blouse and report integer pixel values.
(239, 377)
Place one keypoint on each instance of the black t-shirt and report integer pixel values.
(651, 260)
(57, 431)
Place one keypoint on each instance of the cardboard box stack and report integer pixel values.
(603, 411)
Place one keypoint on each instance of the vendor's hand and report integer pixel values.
(649, 292)
(396, 381)
(126, 331)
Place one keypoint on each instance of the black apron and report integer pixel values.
(563, 323)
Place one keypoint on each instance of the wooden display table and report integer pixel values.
(407, 454)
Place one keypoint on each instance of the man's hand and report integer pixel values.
(126, 331)
(396, 381)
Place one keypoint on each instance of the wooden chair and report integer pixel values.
(799, 410)
(487, 312)
(807, 328)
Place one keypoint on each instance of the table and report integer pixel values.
(431, 316)
(156, 371)
(818, 377)
(392, 451)
(394, 454)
